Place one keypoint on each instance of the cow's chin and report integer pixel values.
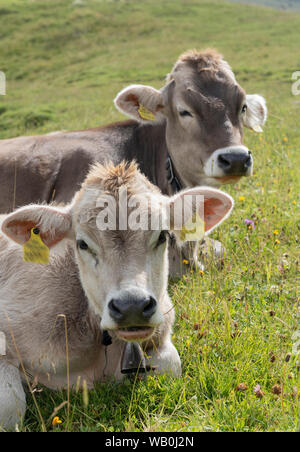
(228, 179)
(135, 334)
(216, 182)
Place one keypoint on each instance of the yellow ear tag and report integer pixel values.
(35, 249)
(193, 230)
(145, 113)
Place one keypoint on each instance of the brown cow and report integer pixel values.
(187, 134)
(194, 124)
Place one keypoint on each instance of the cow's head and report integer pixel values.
(119, 224)
(206, 110)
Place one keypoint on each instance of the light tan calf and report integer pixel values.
(113, 280)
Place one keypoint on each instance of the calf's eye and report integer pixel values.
(82, 245)
(185, 113)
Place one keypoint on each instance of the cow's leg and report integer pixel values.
(182, 259)
(12, 396)
(211, 252)
(165, 359)
(195, 254)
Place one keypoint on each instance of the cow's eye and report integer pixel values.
(244, 109)
(162, 238)
(185, 113)
(82, 245)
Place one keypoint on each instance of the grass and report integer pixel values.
(64, 64)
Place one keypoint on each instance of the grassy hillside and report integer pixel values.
(64, 65)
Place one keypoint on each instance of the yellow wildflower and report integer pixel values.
(56, 421)
(277, 242)
(185, 262)
(242, 198)
(275, 232)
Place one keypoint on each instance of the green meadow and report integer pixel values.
(236, 328)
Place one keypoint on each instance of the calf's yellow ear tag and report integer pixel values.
(145, 113)
(35, 249)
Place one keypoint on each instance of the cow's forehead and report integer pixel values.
(93, 201)
(199, 62)
(111, 186)
(147, 209)
(194, 86)
(206, 73)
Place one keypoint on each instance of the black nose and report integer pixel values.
(235, 163)
(131, 311)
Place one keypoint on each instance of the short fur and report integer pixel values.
(59, 312)
(201, 84)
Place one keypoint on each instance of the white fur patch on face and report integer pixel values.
(107, 323)
(212, 167)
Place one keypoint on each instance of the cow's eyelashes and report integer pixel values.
(184, 113)
(162, 238)
(81, 244)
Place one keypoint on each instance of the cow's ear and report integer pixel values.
(52, 224)
(256, 114)
(140, 102)
(196, 212)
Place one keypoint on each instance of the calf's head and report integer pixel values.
(205, 111)
(119, 224)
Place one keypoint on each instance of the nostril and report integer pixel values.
(248, 161)
(223, 161)
(150, 308)
(114, 310)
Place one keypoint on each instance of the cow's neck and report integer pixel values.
(149, 149)
(174, 180)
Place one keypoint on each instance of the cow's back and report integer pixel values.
(52, 167)
(21, 182)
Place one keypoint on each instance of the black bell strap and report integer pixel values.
(172, 179)
(106, 339)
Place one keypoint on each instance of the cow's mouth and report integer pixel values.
(135, 333)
